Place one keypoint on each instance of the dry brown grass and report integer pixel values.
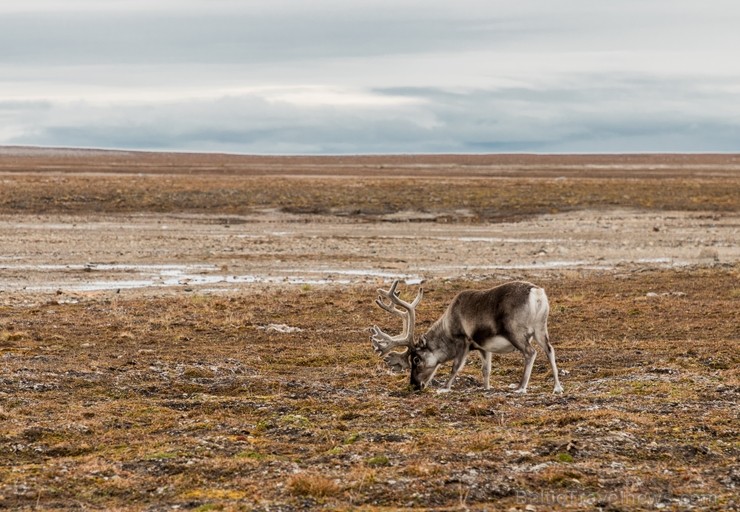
(142, 403)
(313, 486)
(185, 400)
(489, 187)
(361, 197)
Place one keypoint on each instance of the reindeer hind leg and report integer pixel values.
(543, 340)
(553, 365)
(530, 354)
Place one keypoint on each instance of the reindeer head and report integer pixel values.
(384, 343)
(424, 364)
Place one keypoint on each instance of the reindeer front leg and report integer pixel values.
(457, 365)
(486, 360)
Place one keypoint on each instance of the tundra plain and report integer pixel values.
(191, 332)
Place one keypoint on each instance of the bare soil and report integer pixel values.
(191, 331)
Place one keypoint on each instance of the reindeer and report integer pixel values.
(495, 321)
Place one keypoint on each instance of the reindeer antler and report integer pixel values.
(384, 343)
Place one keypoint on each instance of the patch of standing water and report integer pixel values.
(115, 267)
(193, 275)
(93, 277)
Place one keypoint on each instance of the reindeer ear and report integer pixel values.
(422, 342)
(398, 361)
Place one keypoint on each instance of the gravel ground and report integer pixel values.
(164, 253)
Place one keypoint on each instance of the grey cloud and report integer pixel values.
(24, 106)
(483, 120)
(479, 76)
(227, 37)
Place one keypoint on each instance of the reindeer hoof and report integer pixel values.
(443, 390)
(558, 389)
(520, 391)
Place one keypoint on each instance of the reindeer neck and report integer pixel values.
(444, 347)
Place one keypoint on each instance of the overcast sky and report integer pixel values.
(381, 76)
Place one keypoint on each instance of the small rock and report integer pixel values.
(666, 371)
(282, 328)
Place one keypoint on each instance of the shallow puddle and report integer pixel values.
(91, 277)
